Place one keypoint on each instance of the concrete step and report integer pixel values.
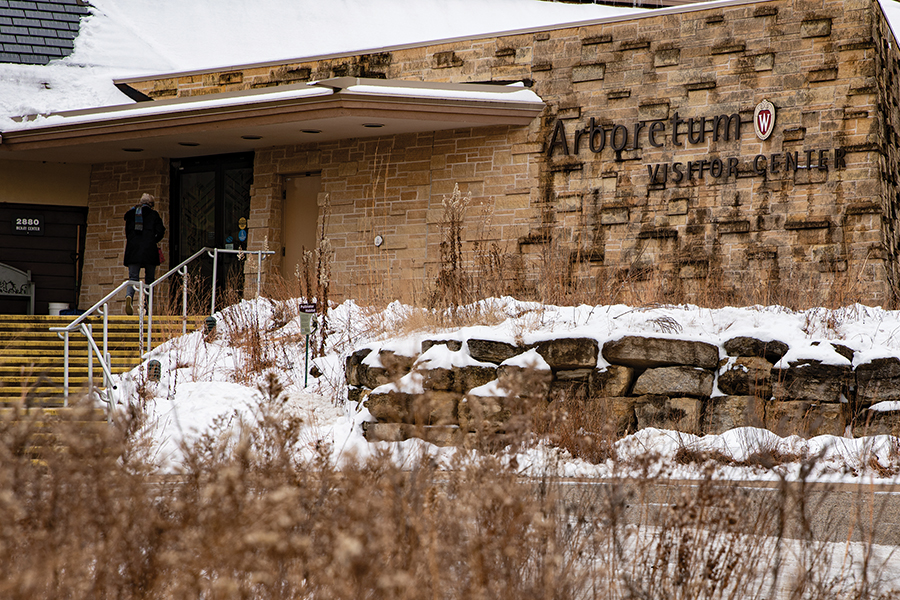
(54, 414)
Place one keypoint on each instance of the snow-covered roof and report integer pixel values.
(339, 108)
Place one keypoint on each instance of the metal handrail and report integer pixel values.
(182, 266)
(102, 306)
(79, 325)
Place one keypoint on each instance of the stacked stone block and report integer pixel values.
(691, 386)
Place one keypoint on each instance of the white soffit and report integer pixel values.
(328, 110)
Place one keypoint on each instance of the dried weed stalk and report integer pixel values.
(249, 516)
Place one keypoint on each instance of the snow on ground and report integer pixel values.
(202, 382)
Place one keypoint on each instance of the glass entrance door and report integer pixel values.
(210, 208)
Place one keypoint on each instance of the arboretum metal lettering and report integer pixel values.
(678, 132)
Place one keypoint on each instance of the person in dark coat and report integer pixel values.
(143, 231)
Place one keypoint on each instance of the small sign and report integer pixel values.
(308, 324)
(242, 235)
(28, 224)
(242, 223)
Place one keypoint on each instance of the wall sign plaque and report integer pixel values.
(764, 119)
(28, 224)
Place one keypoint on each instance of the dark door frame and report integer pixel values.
(218, 164)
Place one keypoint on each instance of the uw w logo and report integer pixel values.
(764, 119)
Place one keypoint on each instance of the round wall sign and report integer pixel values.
(378, 241)
(764, 119)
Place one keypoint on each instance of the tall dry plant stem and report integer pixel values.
(452, 286)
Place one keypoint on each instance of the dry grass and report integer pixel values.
(248, 518)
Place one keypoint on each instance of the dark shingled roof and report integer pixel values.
(34, 32)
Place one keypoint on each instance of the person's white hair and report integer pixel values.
(147, 198)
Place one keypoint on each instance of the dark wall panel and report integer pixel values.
(54, 255)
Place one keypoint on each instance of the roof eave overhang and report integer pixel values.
(417, 113)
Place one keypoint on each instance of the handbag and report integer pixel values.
(162, 258)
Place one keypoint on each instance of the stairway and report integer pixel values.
(32, 369)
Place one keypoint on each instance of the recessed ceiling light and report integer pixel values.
(251, 137)
(133, 149)
(373, 125)
(310, 131)
(188, 144)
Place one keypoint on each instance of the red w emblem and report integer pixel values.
(764, 119)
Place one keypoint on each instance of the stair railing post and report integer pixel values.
(66, 370)
(215, 255)
(259, 258)
(150, 320)
(184, 279)
(88, 330)
(141, 317)
(105, 327)
(106, 354)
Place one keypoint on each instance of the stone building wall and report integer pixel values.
(887, 82)
(114, 188)
(617, 215)
(394, 187)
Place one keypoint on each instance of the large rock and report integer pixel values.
(439, 435)
(878, 381)
(434, 408)
(648, 352)
(663, 412)
(746, 376)
(879, 422)
(430, 408)
(569, 353)
(457, 379)
(524, 381)
(724, 413)
(452, 345)
(391, 407)
(483, 413)
(614, 381)
(811, 381)
(384, 432)
(472, 376)
(571, 384)
(357, 394)
(492, 351)
(372, 377)
(674, 381)
(397, 365)
(772, 350)
(806, 419)
(354, 369)
(616, 413)
(841, 349)
(393, 367)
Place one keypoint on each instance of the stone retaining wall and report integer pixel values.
(443, 394)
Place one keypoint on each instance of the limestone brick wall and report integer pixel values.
(887, 81)
(114, 188)
(394, 187)
(823, 228)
